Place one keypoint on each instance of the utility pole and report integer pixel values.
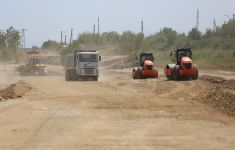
(197, 25)
(98, 38)
(61, 37)
(93, 30)
(65, 39)
(215, 27)
(23, 39)
(141, 36)
(71, 36)
(142, 27)
(233, 25)
(98, 26)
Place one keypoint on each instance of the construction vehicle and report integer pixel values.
(183, 68)
(35, 66)
(144, 67)
(82, 65)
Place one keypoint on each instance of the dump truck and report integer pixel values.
(82, 65)
(34, 66)
(183, 68)
(144, 67)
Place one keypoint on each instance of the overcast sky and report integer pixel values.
(44, 19)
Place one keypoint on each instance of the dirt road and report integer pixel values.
(115, 113)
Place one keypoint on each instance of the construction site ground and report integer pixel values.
(117, 112)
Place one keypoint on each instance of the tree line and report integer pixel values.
(219, 38)
(9, 43)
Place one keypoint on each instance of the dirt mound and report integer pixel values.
(221, 95)
(212, 79)
(14, 90)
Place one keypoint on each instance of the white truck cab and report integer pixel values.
(82, 65)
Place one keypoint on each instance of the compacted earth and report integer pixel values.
(117, 112)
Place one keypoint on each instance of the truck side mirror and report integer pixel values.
(99, 58)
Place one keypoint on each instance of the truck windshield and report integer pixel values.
(88, 58)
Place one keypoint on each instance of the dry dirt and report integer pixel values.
(14, 91)
(115, 113)
(220, 94)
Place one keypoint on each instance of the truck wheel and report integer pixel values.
(66, 75)
(73, 76)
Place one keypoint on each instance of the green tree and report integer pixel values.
(71, 47)
(2, 40)
(87, 38)
(170, 35)
(208, 34)
(128, 41)
(51, 45)
(226, 30)
(12, 38)
(195, 34)
(110, 37)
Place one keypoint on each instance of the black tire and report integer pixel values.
(139, 74)
(157, 74)
(195, 77)
(134, 77)
(172, 75)
(74, 76)
(95, 79)
(67, 77)
(77, 78)
(176, 74)
(168, 77)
